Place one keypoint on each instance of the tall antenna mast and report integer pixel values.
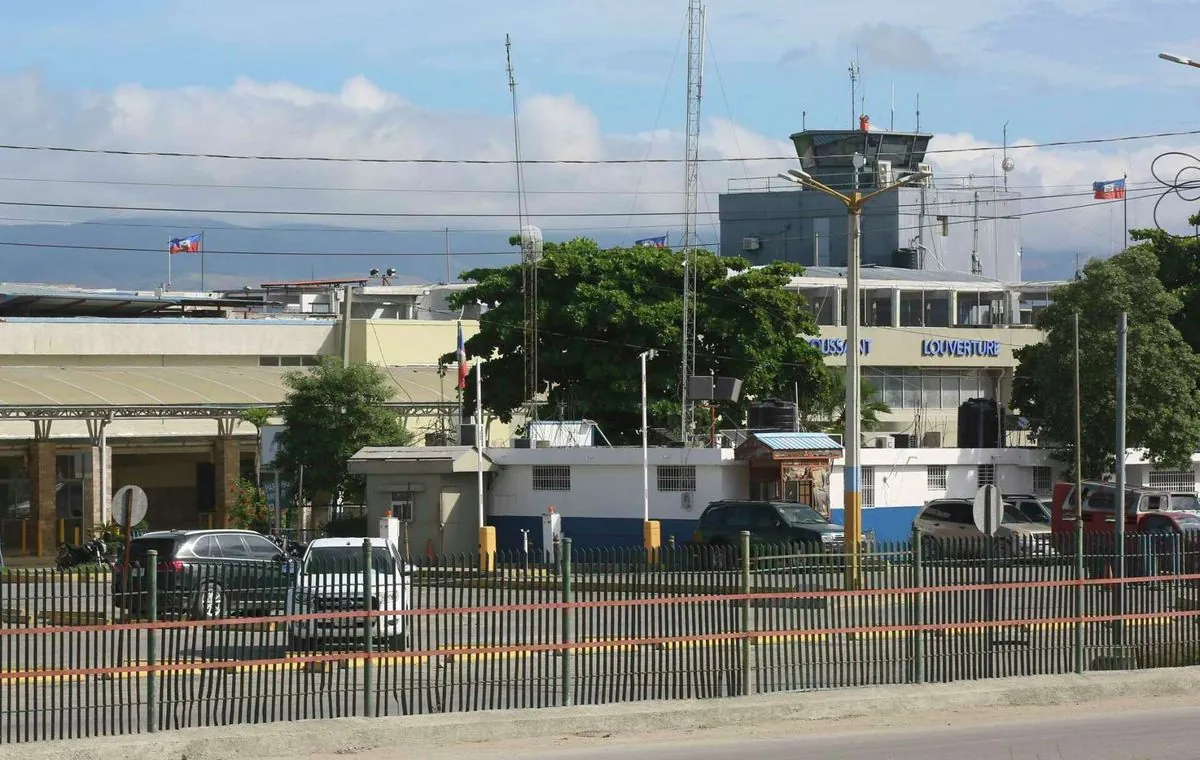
(691, 160)
(529, 257)
(853, 93)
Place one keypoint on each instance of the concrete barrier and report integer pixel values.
(289, 740)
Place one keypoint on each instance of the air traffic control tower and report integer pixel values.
(965, 224)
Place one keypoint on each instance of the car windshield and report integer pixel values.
(347, 559)
(799, 514)
(1184, 502)
(1013, 514)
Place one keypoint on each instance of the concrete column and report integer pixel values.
(953, 296)
(838, 300)
(226, 469)
(895, 307)
(42, 480)
(99, 480)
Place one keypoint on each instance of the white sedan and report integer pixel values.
(332, 578)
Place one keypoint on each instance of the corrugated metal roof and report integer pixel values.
(798, 441)
(183, 386)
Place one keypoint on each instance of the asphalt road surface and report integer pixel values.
(1123, 732)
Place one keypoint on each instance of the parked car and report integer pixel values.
(948, 531)
(206, 574)
(770, 523)
(331, 579)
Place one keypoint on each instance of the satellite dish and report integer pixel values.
(1008, 164)
(531, 243)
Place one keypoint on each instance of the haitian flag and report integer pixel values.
(1110, 190)
(189, 244)
(462, 360)
(654, 242)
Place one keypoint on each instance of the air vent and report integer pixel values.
(751, 244)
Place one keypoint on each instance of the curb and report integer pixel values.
(279, 740)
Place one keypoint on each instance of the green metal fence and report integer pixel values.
(166, 645)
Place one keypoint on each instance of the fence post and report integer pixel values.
(151, 581)
(1080, 663)
(747, 650)
(566, 686)
(917, 607)
(368, 634)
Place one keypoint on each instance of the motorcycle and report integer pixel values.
(91, 553)
(293, 549)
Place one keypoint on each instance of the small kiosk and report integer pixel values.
(790, 467)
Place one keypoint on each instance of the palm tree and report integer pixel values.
(826, 410)
(258, 417)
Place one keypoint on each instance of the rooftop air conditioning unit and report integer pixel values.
(926, 169)
(751, 244)
(884, 442)
(883, 173)
(931, 441)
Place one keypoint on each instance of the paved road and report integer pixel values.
(1162, 734)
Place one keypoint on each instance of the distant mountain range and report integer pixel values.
(132, 254)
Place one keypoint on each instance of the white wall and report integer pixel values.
(48, 340)
(608, 482)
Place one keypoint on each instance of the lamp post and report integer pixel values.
(852, 471)
(645, 356)
(1179, 59)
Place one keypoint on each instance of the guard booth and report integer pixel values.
(790, 467)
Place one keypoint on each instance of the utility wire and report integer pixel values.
(560, 161)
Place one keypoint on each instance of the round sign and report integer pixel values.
(129, 505)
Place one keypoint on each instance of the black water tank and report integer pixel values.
(906, 258)
(981, 424)
(773, 415)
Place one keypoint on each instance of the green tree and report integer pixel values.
(826, 409)
(250, 510)
(257, 416)
(1179, 272)
(330, 413)
(598, 309)
(1163, 414)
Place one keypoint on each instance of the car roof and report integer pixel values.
(199, 532)
(319, 543)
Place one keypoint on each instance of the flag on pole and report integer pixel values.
(189, 244)
(1109, 190)
(652, 242)
(462, 360)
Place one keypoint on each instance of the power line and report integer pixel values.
(428, 214)
(558, 161)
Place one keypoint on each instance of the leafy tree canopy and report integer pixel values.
(600, 308)
(825, 410)
(330, 413)
(1163, 414)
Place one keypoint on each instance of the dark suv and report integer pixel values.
(770, 523)
(207, 574)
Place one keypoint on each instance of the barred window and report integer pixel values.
(986, 476)
(868, 486)
(402, 505)
(677, 477)
(1042, 481)
(935, 477)
(551, 477)
(1173, 480)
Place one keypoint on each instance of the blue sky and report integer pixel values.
(405, 78)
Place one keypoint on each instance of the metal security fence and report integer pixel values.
(163, 645)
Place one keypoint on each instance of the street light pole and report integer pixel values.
(645, 355)
(852, 469)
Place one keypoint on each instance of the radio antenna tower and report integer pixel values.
(695, 89)
(531, 250)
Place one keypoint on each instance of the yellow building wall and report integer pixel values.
(397, 343)
(932, 347)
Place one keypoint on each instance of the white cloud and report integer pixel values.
(362, 120)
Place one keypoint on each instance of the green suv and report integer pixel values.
(777, 524)
(205, 574)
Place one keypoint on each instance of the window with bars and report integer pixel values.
(986, 475)
(1173, 480)
(868, 486)
(551, 477)
(1043, 483)
(677, 477)
(402, 505)
(935, 477)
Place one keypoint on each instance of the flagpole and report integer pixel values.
(168, 262)
(1125, 204)
(201, 261)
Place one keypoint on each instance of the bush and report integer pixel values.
(346, 527)
(250, 510)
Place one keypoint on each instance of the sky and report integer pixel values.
(596, 81)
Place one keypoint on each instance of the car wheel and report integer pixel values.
(211, 603)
